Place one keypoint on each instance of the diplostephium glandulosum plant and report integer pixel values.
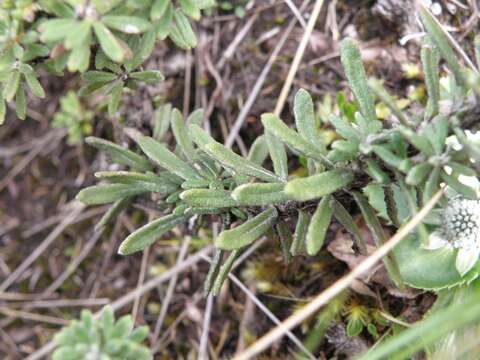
(387, 169)
(117, 37)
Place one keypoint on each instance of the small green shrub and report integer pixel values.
(386, 169)
(59, 35)
(103, 338)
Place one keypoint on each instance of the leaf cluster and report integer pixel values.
(385, 169)
(57, 35)
(103, 338)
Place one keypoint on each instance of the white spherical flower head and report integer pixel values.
(461, 223)
(460, 230)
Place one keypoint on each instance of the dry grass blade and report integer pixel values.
(298, 57)
(323, 298)
(78, 208)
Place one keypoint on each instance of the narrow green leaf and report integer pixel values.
(119, 154)
(166, 159)
(430, 59)
(455, 184)
(159, 8)
(108, 42)
(375, 172)
(161, 121)
(150, 76)
(387, 156)
(99, 76)
(104, 194)
(3, 111)
(79, 35)
(191, 9)
(208, 198)
(344, 128)
(182, 136)
(304, 112)
(258, 151)
(258, 194)
(278, 155)
(228, 158)
(79, 58)
(247, 232)
(148, 180)
(431, 185)
(113, 212)
(344, 218)
(317, 230)
(286, 240)
(213, 271)
(164, 25)
(318, 185)
(300, 235)
(115, 98)
(12, 85)
(223, 272)
(355, 72)
(278, 128)
(185, 29)
(149, 233)
(56, 29)
(126, 24)
(196, 117)
(419, 141)
(21, 102)
(418, 173)
(35, 85)
(443, 45)
(379, 236)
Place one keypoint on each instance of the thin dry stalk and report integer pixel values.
(343, 283)
(259, 83)
(298, 57)
(77, 209)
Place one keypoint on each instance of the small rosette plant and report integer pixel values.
(102, 338)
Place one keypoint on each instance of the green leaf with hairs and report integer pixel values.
(258, 151)
(318, 185)
(166, 159)
(182, 137)
(148, 180)
(418, 173)
(278, 155)
(355, 72)
(149, 233)
(430, 59)
(317, 230)
(443, 45)
(126, 24)
(344, 218)
(304, 112)
(258, 194)
(113, 212)
(208, 198)
(235, 163)
(300, 235)
(104, 194)
(247, 232)
(119, 154)
(278, 128)
(108, 42)
(223, 272)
